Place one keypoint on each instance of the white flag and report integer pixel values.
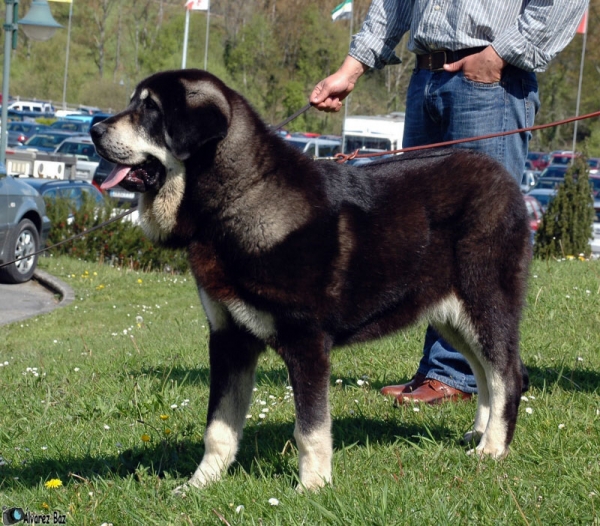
(342, 11)
(197, 5)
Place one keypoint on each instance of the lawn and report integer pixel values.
(105, 399)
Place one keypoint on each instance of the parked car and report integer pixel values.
(528, 180)
(84, 150)
(595, 241)
(71, 126)
(71, 189)
(13, 139)
(24, 227)
(25, 129)
(534, 211)
(554, 171)
(315, 146)
(594, 164)
(562, 158)
(120, 195)
(544, 196)
(548, 182)
(46, 141)
(40, 108)
(539, 160)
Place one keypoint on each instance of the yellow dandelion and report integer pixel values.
(53, 483)
(167, 431)
(140, 281)
(570, 257)
(164, 417)
(99, 287)
(45, 505)
(95, 273)
(145, 437)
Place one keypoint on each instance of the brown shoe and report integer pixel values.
(397, 390)
(433, 392)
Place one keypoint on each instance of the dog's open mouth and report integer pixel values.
(140, 178)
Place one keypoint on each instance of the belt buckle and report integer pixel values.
(445, 60)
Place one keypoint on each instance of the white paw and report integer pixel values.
(181, 491)
(472, 437)
(497, 453)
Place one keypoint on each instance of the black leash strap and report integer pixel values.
(76, 236)
(293, 116)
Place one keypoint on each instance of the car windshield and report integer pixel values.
(45, 140)
(75, 195)
(561, 159)
(554, 171)
(69, 126)
(548, 182)
(544, 199)
(83, 151)
(356, 142)
(300, 145)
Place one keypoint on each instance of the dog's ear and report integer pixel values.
(191, 128)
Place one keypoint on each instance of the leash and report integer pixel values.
(343, 157)
(302, 110)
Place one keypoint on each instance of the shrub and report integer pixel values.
(120, 243)
(566, 227)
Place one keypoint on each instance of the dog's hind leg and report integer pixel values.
(233, 358)
(505, 381)
(307, 360)
(465, 341)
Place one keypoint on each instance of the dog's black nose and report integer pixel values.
(97, 131)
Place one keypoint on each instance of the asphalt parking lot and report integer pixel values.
(38, 296)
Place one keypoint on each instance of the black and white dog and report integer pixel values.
(303, 255)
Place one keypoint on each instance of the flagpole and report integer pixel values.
(207, 29)
(64, 97)
(580, 82)
(185, 38)
(348, 97)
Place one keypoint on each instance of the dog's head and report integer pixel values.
(171, 116)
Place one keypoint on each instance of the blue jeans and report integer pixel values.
(443, 106)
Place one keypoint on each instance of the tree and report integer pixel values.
(566, 227)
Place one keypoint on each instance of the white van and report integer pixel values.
(31, 106)
(315, 147)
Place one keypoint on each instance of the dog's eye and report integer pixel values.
(150, 104)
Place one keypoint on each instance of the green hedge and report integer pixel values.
(566, 227)
(120, 243)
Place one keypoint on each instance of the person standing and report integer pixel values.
(475, 69)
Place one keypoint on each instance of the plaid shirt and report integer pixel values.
(526, 33)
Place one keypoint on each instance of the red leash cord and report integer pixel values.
(343, 157)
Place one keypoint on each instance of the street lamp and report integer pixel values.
(38, 24)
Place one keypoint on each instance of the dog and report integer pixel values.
(303, 255)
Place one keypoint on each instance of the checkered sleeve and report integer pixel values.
(541, 32)
(386, 22)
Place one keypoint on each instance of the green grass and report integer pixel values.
(83, 384)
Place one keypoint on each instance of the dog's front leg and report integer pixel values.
(233, 358)
(307, 360)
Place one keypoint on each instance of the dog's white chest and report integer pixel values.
(219, 315)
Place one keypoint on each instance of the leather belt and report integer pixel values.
(435, 61)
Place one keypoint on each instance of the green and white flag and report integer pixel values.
(342, 11)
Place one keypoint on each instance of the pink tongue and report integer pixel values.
(116, 176)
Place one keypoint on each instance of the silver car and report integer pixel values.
(24, 228)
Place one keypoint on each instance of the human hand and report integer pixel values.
(485, 67)
(328, 94)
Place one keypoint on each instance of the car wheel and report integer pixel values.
(25, 241)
